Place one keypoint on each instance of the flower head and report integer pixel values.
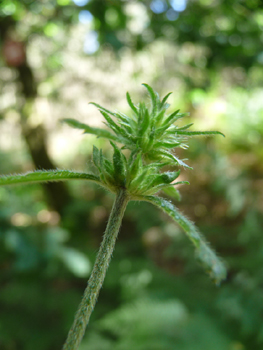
(151, 136)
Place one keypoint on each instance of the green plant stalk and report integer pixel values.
(96, 279)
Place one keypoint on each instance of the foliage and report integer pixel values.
(150, 136)
(210, 54)
(169, 323)
(131, 179)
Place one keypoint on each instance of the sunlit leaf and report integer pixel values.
(90, 130)
(172, 192)
(131, 104)
(153, 96)
(102, 108)
(202, 133)
(165, 99)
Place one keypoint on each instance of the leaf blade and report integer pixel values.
(131, 104)
(199, 133)
(119, 165)
(154, 97)
(96, 157)
(205, 254)
(90, 130)
(165, 99)
(172, 192)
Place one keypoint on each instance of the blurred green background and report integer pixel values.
(56, 57)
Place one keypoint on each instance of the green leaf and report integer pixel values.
(131, 104)
(115, 127)
(90, 130)
(102, 108)
(162, 186)
(172, 192)
(158, 119)
(136, 166)
(152, 181)
(110, 122)
(126, 126)
(145, 122)
(173, 117)
(170, 176)
(165, 99)
(160, 131)
(179, 161)
(96, 157)
(46, 176)
(106, 170)
(196, 133)
(155, 182)
(139, 180)
(101, 160)
(119, 165)
(163, 144)
(205, 254)
(130, 121)
(167, 155)
(186, 126)
(155, 166)
(108, 166)
(168, 122)
(181, 183)
(153, 96)
(150, 140)
(153, 190)
(126, 122)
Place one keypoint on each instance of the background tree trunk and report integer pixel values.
(15, 56)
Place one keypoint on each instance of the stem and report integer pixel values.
(96, 279)
(47, 176)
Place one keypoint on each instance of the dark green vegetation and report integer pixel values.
(155, 295)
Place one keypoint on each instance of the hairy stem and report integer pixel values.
(46, 176)
(96, 279)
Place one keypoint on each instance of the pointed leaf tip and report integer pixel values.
(165, 98)
(153, 95)
(130, 103)
(96, 157)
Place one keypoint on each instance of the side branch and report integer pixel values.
(46, 176)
